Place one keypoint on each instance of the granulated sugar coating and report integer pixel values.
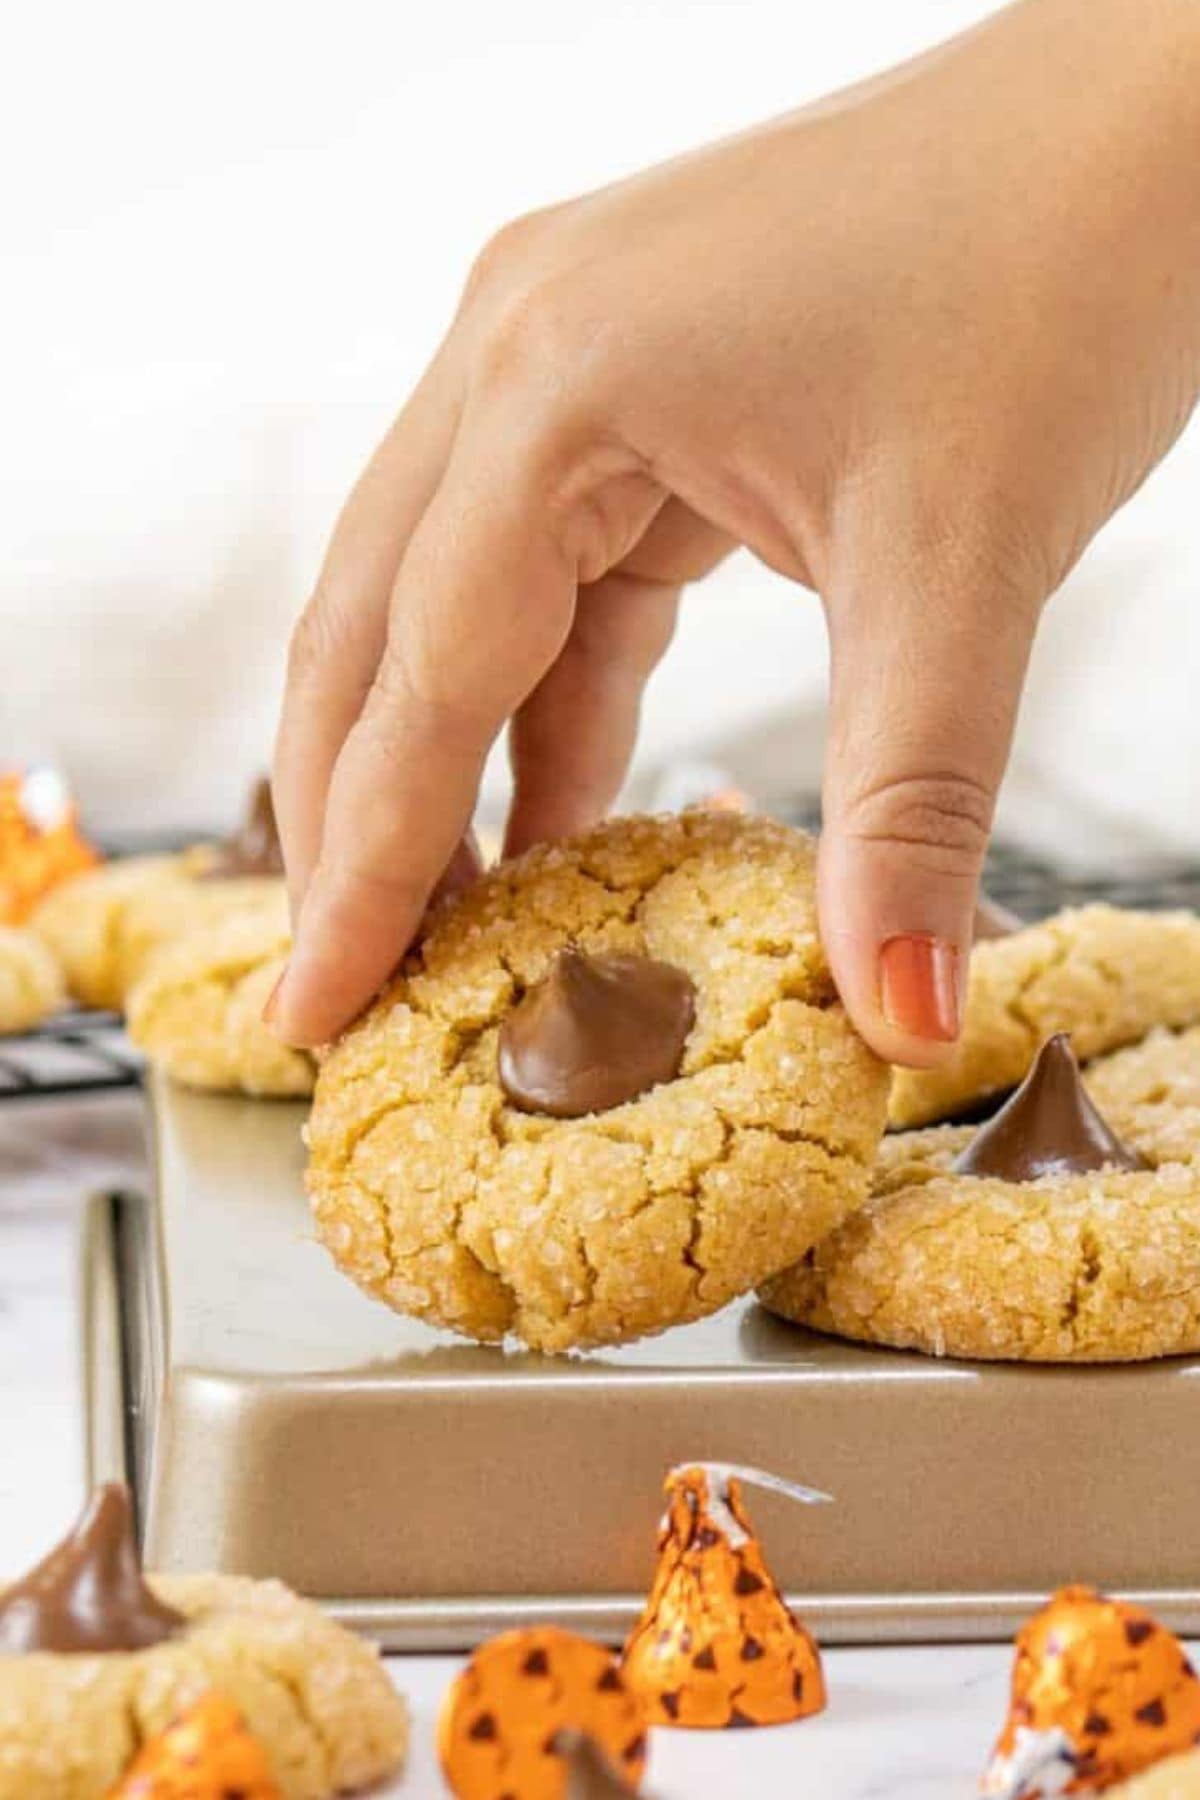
(1102, 1267)
(315, 1696)
(442, 1200)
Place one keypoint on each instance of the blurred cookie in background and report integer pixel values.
(197, 1011)
(31, 983)
(1152, 1090)
(1105, 974)
(107, 924)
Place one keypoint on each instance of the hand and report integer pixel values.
(911, 346)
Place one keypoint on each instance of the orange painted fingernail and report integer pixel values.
(272, 1001)
(918, 986)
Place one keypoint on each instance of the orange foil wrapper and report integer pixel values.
(505, 1727)
(207, 1754)
(1100, 1691)
(717, 1645)
(40, 841)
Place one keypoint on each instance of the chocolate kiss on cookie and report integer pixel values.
(254, 848)
(88, 1595)
(599, 1030)
(1050, 1126)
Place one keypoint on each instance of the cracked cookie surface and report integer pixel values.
(105, 926)
(1152, 1090)
(1103, 1267)
(442, 1200)
(1105, 975)
(315, 1696)
(31, 983)
(197, 1011)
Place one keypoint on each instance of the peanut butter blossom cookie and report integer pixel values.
(1104, 975)
(1054, 1233)
(612, 1089)
(106, 926)
(31, 983)
(96, 1660)
(1153, 1089)
(197, 1012)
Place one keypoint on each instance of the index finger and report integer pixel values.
(482, 606)
(341, 635)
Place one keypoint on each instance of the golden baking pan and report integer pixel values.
(274, 1421)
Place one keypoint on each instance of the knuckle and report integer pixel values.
(534, 332)
(944, 819)
(432, 714)
(505, 253)
(318, 638)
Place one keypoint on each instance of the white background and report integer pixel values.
(231, 235)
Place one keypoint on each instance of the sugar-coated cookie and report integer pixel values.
(31, 983)
(315, 1696)
(83, 923)
(226, 881)
(97, 1659)
(105, 927)
(1152, 1090)
(1105, 975)
(442, 1183)
(197, 1011)
(167, 912)
(1101, 1266)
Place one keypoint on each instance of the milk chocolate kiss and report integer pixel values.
(1048, 1127)
(254, 848)
(598, 1031)
(88, 1595)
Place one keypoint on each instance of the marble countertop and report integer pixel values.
(908, 1724)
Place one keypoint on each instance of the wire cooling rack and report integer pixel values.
(1032, 888)
(72, 1053)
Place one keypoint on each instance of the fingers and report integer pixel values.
(341, 635)
(572, 740)
(924, 697)
(483, 605)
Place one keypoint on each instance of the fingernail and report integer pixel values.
(918, 986)
(272, 1001)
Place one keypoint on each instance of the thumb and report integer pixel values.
(925, 689)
